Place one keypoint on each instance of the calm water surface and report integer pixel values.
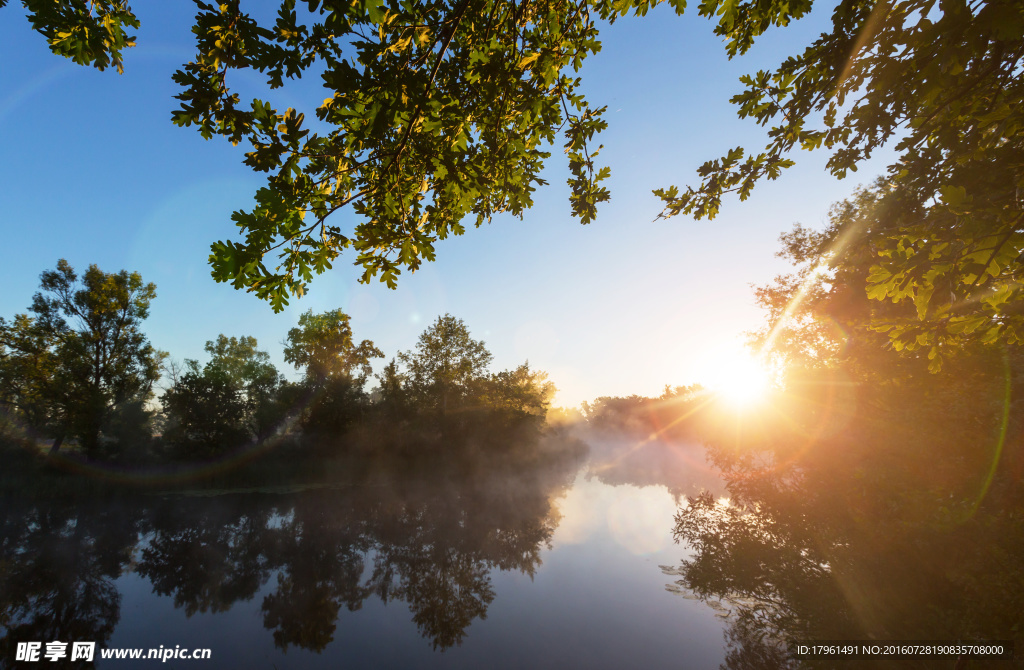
(558, 564)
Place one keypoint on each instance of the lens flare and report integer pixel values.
(738, 378)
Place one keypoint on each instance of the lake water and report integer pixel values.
(559, 563)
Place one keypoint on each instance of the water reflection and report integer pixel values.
(383, 562)
(871, 532)
(428, 537)
(207, 553)
(58, 563)
(639, 458)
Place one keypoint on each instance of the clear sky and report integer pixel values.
(94, 171)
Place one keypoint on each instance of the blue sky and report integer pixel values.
(94, 171)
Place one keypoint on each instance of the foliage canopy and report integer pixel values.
(435, 113)
(234, 398)
(206, 412)
(89, 32)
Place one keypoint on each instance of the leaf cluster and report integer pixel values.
(875, 280)
(89, 32)
(436, 112)
(940, 82)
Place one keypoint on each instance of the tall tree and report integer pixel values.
(446, 364)
(103, 357)
(323, 345)
(250, 371)
(206, 413)
(336, 370)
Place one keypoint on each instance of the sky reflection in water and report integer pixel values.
(546, 566)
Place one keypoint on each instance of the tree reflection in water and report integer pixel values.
(208, 553)
(426, 536)
(430, 539)
(59, 558)
(865, 511)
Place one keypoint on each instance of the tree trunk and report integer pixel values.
(59, 440)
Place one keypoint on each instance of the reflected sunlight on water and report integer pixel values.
(639, 519)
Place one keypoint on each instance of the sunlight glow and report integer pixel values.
(739, 378)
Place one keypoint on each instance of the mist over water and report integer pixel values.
(546, 561)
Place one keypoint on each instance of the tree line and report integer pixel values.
(78, 366)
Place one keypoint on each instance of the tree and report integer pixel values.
(446, 364)
(519, 394)
(833, 307)
(941, 82)
(323, 344)
(392, 394)
(206, 412)
(240, 359)
(820, 315)
(252, 373)
(232, 399)
(92, 325)
(28, 364)
(336, 370)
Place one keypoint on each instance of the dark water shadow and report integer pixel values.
(427, 531)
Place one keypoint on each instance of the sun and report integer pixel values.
(739, 379)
